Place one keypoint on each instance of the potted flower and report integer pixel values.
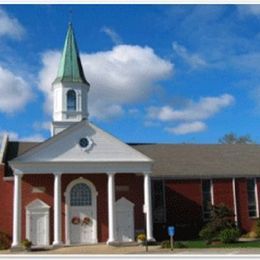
(141, 238)
(27, 244)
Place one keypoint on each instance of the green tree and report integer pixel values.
(231, 138)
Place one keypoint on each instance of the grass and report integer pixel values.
(202, 244)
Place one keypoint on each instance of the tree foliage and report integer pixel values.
(221, 218)
(231, 138)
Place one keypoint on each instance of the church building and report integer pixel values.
(84, 186)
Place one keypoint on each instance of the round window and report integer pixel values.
(83, 142)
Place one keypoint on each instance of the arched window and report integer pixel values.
(80, 195)
(71, 100)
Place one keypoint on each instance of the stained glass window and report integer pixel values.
(80, 195)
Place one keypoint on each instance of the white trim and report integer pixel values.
(94, 194)
(3, 147)
(9, 178)
(42, 209)
(57, 221)
(83, 167)
(212, 192)
(148, 206)
(234, 200)
(111, 208)
(17, 197)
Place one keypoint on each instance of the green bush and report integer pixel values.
(257, 228)
(221, 217)
(208, 234)
(5, 241)
(26, 243)
(229, 235)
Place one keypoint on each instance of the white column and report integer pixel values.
(111, 208)
(235, 199)
(57, 210)
(148, 206)
(17, 210)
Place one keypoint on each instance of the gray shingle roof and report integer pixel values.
(186, 160)
(199, 160)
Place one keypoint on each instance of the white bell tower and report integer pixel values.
(70, 88)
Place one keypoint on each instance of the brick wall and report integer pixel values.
(6, 203)
(183, 204)
(223, 192)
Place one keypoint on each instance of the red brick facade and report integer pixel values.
(133, 182)
(183, 199)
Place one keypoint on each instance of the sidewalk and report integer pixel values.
(103, 249)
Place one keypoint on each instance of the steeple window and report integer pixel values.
(71, 100)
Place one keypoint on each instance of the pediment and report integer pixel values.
(124, 203)
(65, 147)
(37, 204)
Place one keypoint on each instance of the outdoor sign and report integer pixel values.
(171, 233)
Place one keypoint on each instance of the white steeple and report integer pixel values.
(70, 88)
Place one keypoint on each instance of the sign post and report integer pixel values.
(171, 233)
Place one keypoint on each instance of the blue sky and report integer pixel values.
(158, 73)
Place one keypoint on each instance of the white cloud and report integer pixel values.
(187, 128)
(124, 75)
(206, 107)
(10, 26)
(15, 92)
(249, 10)
(42, 125)
(13, 136)
(195, 61)
(116, 39)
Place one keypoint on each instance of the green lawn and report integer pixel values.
(202, 244)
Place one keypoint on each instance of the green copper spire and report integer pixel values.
(70, 68)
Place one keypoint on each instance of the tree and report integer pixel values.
(232, 138)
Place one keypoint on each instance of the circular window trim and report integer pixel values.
(88, 145)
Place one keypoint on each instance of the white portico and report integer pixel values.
(62, 154)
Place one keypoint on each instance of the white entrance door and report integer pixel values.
(38, 231)
(125, 220)
(37, 223)
(82, 215)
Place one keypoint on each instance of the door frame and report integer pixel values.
(37, 207)
(94, 194)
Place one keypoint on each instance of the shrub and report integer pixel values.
(141, 237)
(26, 243)
(229, 235)
(221, 218)
(257, 228)
(5, 241)
(207, 234)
